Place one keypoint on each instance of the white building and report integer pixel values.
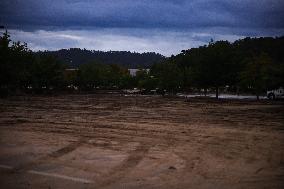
(134, 71)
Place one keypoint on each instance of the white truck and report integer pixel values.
(277, 93)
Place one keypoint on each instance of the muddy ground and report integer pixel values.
(113, 141)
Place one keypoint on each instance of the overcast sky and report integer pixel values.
(163, 26)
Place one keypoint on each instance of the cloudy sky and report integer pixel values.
(163, 26)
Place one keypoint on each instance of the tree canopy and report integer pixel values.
(249, 65)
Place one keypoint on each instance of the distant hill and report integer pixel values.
(75, 56)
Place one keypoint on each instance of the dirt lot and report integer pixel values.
(112, 141)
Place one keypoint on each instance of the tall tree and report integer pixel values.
(14, 60)
(257, 73)
(169, 76)
(46, 73)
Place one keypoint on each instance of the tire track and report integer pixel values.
(54, 155)
(119, 172)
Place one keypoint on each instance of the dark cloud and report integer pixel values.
(164, 26)
(178, 14)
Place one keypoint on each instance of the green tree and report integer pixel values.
(257, 73)
(5, 68)
(169, 76)
(14, 60)
(46, 73)
(90, 75)
(212, 66)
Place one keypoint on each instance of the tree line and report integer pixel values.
(74, 57)
(246, 65)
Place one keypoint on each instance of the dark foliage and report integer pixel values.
(248, 65)
(74, 57)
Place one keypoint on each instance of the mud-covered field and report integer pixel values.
(113, 141)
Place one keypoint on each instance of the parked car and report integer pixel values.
(277, 93)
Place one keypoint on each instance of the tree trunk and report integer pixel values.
(257, 94)
(217, 92)
(238, 91)
(205, 92)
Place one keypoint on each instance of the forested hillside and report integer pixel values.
(74, 57)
